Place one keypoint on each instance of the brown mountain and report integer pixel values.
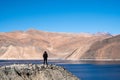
(106, 49)
(32, 43)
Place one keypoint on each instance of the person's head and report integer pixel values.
(45, 51)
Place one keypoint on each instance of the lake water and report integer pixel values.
(85, 70)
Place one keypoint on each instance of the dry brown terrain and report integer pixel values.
(106, 49)
(32, 43)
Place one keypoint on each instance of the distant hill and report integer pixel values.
(32, 43)
(106, 49)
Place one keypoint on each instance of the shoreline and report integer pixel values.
(68, 60)
(7, 62)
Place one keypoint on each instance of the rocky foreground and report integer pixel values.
(35, 72)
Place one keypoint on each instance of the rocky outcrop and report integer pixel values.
(35, 72)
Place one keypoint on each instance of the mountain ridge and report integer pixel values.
(31, 44)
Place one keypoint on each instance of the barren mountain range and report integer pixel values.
(69, 46)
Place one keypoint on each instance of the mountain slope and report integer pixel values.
(32, 43)
(106, 49)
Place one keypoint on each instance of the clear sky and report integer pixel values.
(61, 15)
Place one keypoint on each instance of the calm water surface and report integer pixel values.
(85, 70)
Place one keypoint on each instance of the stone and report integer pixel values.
(35, 72)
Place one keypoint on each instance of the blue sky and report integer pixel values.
(60, 15)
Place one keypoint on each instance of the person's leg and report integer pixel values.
(44, 61)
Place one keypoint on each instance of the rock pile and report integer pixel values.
(35, 72)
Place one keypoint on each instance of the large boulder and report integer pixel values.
(35, 72)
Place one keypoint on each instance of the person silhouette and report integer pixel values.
(45, 56)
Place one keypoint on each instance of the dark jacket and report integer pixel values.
(45, 55)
